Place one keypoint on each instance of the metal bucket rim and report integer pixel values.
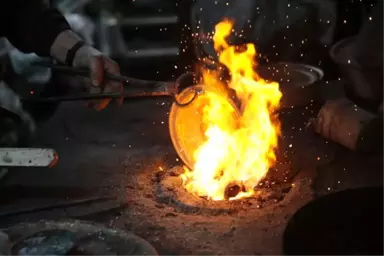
(313, 69)
(188, 162)
(314, 73)
(335, 52)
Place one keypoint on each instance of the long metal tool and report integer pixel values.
(132, 82)
(61, 205)
(85, 97)
(134, 88)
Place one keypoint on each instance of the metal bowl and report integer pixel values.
(299, 83)
(186, 126)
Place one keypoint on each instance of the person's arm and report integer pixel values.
(33, 25)
(369, 41)
(36, 27)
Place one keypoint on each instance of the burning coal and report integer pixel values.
(241, 152)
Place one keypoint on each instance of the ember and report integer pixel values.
(241, 153)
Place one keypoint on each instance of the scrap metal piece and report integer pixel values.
(28, 157)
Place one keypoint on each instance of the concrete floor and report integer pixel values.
(111, 152)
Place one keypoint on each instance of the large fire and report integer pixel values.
(241, 153)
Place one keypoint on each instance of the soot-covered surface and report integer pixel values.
(119, 151)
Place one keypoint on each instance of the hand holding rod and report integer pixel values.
(148, 88)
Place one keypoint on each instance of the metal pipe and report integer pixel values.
(149, 21)
(160, 52)
(62, 205)
(119, 78)
(98, 97)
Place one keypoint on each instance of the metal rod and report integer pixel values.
(158, 52)
(96, 97)
(119, 78)
(57, 206)
(149, 21)
(161, 89)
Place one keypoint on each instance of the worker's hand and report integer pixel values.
(97, 63)
(64, 49)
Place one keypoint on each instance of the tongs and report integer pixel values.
(133, 87)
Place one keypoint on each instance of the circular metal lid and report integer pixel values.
(73, 237)
(290, 75)
(186, 126)
(342, 51)
(298, 82)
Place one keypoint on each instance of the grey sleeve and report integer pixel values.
(369, 42)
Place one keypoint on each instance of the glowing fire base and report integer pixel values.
(169, 190)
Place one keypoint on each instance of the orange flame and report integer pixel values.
(244, 152)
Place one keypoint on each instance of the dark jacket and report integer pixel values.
(31, 25)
